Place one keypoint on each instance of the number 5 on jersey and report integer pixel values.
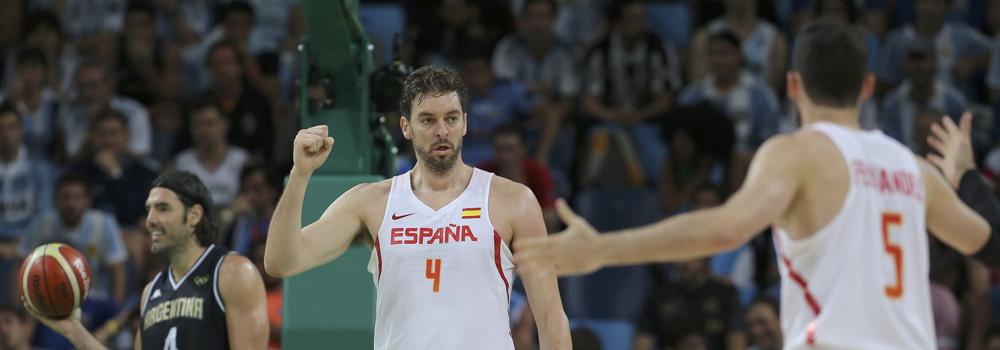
(434, 273)
(894, 291)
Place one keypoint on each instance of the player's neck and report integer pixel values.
(846, 117)
(184, 258)
(423, 179)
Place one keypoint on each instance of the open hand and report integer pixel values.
(954, 146)
(574, 251)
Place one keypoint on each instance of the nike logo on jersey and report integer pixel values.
(397, 217)
(156, 294)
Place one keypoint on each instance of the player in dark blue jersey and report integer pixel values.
(205, 298)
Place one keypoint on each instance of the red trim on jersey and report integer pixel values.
(801, 281)
(811, 333)
(378, 253)
(496, 258)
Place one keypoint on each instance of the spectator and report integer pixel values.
(747, 100)
(16, 328)
(30, 94)
(585, 339)
(922, 89)
(92, 25)
(492, 103)
(545, 65)
(695, 302)
(213, 159)
(236, 19)
(95, 89)
(92, 232)
(271, 24)
(116, 177)
(148, 67)
(42, 30)
(247, 110)
(511, 162)
(25, 192)
(763, 327)
(959, 49)
(252, 209)
(691, 165)
(764, 48)
(25, 184)
(184, 22)
(628, 82)
(454, 23)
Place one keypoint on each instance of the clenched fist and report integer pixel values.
(311, 148)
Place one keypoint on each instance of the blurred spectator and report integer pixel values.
(764, 48)
(544, 64)
(30, 94)
(921, 89)
(688, 167)
(25, 183)
(442, 32)
(95, 92)
(251, 209)
(748, 101)
(762, 325)
(585, 339)
(183, 21)
(236, 20)
(167, 121)
(116, 178)
(492, 103)
(16, 328)
(214, 160)
(247, 110)
(511, 162)
(93, 233)
(691, 340)
(628, 82)
(42, 30)
(695, 302)
(148, 67)
(91, 25)
(271, 24)
(25, 192)
(959, 50)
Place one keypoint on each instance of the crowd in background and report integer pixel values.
(631, 110)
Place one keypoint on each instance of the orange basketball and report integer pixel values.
(54, 280)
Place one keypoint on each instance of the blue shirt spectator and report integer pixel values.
(492, 103)
(25, 183)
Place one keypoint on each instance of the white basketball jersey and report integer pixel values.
(861, 282)
(442, 276)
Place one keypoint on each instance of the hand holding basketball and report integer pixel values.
(311, 147)
(574, 251)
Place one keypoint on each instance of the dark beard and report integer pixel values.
(437, 165)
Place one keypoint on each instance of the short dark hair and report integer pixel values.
(235, 7)
(616, 8)
(140, 6)
(727, 37)
(72, 178)
(431, 80)
(849, 6)
(832, 59)
(94, 63)
(190, 190)
(110, 114)
(42, 19)
(14, 309)
(768, 301)
(31, 55)
(225, 44)
(8, 109)
(205, 103)
(505, 130)
(552, 5)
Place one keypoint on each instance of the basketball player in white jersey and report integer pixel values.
(440, 262)
(850, 209)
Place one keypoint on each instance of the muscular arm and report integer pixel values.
(773, 178)
(292, 249)
(539, 282)
(242, 292)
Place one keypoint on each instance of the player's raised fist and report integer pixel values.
(311, 147)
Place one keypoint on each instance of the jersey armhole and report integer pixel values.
(149, 292)
(215, 284)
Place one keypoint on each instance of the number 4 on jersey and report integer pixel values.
(171, 342)
(894, 291)
(434, 273)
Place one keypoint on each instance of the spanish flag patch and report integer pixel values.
(471, 213)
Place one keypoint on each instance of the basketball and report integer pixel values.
(54, 280)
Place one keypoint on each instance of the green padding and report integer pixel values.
(331, 306)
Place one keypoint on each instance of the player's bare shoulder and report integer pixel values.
(510, 201)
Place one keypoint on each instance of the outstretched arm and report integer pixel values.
(540, 279)
(773, 179)
(292, 249)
